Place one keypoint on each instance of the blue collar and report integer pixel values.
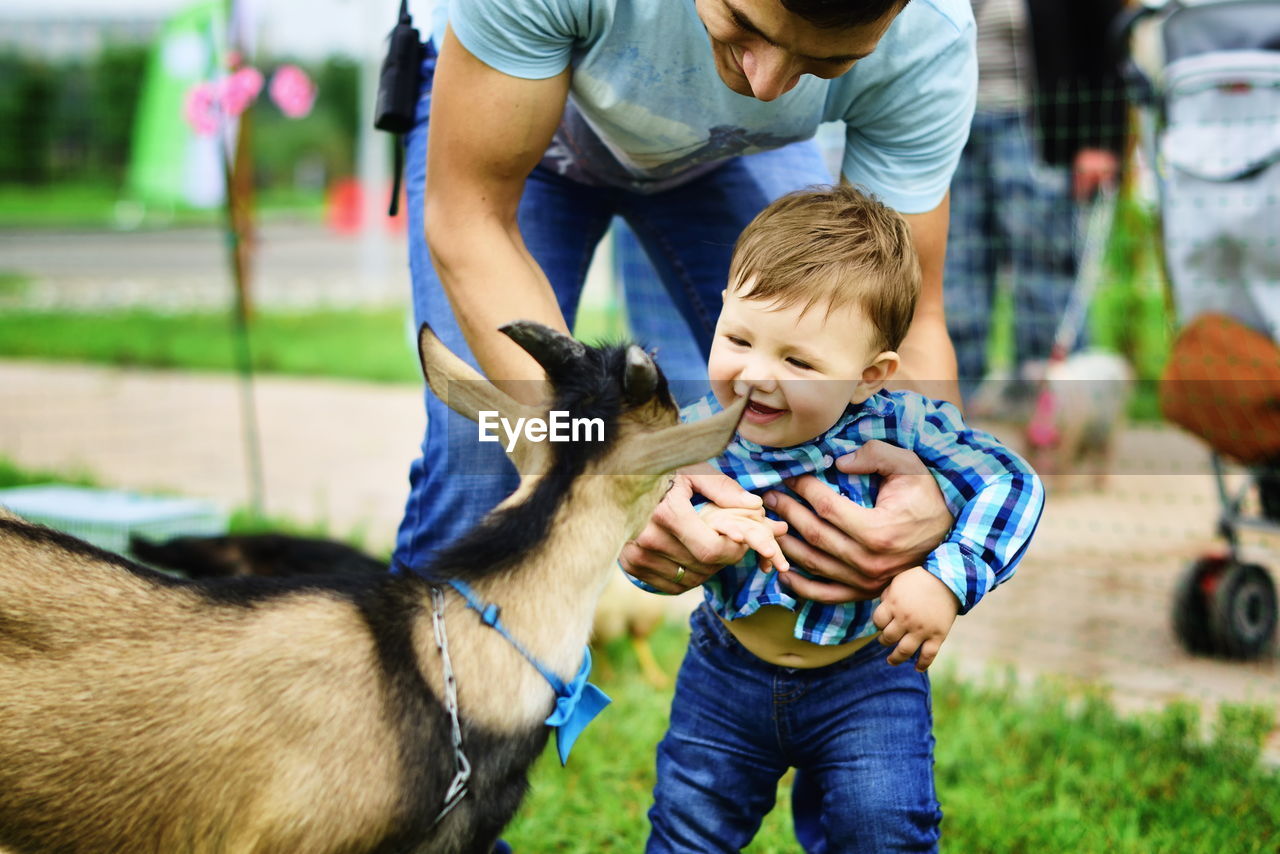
(577, 703)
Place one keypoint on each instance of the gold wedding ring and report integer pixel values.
(679, 574)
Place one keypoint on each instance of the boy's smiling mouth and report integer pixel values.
(759, 413)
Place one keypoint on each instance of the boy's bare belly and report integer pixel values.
(768, 634)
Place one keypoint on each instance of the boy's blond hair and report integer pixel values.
(832, 246)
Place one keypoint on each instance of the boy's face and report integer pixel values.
(802, 367)
(762, 50)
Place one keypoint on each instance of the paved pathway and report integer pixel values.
(333, 452)
(1091, 601)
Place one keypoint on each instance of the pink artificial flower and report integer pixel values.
(239, 89)
(292, 91)
(201, 108)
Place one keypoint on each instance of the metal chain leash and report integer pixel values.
(462, 767)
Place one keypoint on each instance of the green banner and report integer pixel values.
(170, 164)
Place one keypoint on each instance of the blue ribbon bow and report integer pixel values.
(577, 705)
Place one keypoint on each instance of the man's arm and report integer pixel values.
(488, 130)
(928, 358)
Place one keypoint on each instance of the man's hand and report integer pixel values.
(916, 613)
(678, 538)
(859, 550)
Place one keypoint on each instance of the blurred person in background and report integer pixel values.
(1048, 133)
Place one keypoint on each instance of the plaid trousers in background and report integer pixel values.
(1009, 210)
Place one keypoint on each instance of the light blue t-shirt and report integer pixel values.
(647, 109)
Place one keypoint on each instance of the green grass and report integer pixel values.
(13, 475)
(599, 324)
(13, 283)
(1034, 771)
(241, 520)
(57, 206)
(364, 344)
(101, 205)
(367, 344)
(1057, 774)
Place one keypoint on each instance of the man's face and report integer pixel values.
(761, 50)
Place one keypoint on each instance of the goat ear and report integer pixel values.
(461, 386)
(683, 444)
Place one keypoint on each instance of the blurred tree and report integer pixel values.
(73, 121)
(316, 149)
(27, 92)
(117, 78)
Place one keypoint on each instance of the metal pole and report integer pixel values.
(238, 175)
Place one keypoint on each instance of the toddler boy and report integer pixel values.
(823, 287)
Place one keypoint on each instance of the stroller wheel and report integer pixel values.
(1191, 605)
(1243, 611)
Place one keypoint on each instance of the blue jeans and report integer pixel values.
(687, 232)
(1007, 206)
(859, 731)
(655, 323)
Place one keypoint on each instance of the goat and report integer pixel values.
(270, 554)
(143, 713)
(623, 609)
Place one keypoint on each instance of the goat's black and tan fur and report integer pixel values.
(271, 554)
(139, 713)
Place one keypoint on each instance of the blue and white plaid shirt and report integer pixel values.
(993, 494)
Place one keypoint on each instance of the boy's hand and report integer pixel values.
(751, 528)
(915, 613)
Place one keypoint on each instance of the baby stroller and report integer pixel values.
(1209, 113)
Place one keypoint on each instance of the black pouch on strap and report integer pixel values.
(398, 85)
